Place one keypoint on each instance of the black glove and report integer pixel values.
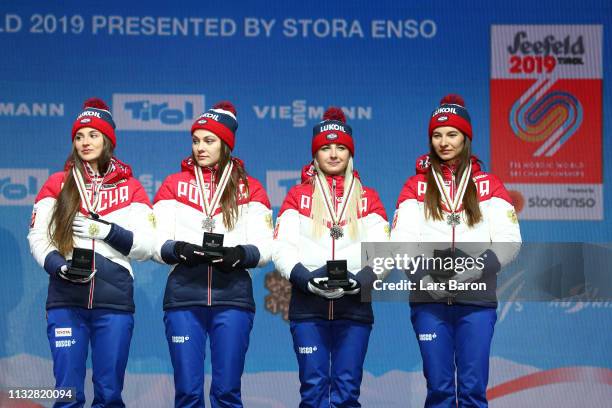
(232, 256)
(438, 272)
(189, 254)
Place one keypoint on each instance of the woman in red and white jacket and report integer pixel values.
(327, 217)
(211, 296)
(94, 204)
(448, 203)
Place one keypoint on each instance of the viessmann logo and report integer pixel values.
(31, 109)
(156, 111)
(300, 112)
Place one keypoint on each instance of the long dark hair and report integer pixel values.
(69, 202)
(433, 201)
(229, 198)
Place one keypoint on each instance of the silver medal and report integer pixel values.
(336, 231)
(208, 224)
(453, 219)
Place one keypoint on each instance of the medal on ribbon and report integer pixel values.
(208, 223)
(89, 202)
(336, 231)
(454, 218)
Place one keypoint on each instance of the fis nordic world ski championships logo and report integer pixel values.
(547, 117)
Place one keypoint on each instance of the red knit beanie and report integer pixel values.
(451, 112)
(332, 129)
(96, 114)
(220, 120)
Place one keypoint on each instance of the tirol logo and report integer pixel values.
(550, 118)
(299, 112)
(331, 136)
(20, 186)
(567, 50)
(156, 111)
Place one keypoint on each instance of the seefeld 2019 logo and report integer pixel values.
(546, 119)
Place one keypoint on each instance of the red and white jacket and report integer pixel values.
(123, 202)
(499, 221)
(178, 211)
(298, 255)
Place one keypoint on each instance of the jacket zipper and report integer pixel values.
(92, 282)
(452, 196)
(91, 292)
(209, 285)
(210, 270)
(333, 194)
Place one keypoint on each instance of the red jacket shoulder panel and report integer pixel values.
(298, 198)
(413, 189)
(257, 192)
(489, 186)
(52, 186)
(373, 203)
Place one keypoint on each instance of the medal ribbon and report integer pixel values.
(453, 205)
(336, 217)
(95, 189)
(95, 192)
(209, 208)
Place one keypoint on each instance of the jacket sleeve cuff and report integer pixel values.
(300, 277)
(251, 256)
(120, 239)
(53, 262)
(491, 262)
(366, 277)
(167, 253)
